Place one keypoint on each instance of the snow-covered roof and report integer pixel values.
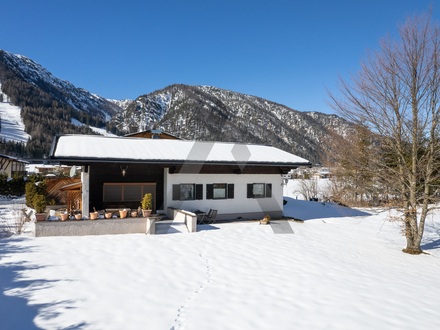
(6, 156)
(14, 158)
(92, 148)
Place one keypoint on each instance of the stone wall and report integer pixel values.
(93, 227)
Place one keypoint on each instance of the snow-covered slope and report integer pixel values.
(12, 126)
(123, 104)
(143, 112)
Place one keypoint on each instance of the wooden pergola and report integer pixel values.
(74, 195)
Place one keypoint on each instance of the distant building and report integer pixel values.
(323, 173)
(11, 165)
(153, 134)
(46, 169)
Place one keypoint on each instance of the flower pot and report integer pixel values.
(123, 214)
(78, 216)
(64, 216)
(40, 216)
(134, 214)
(108, 215)
(264, 222)
(93, 215)
(146, 213)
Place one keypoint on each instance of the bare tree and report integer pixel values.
(309, 188)
(395, 95)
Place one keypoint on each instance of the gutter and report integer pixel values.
(171, 162)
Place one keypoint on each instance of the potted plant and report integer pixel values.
(94, 214)
(39, 202)
(123, 213)
(78, 216)
(134, 214)
(147, 205)
(64, 216)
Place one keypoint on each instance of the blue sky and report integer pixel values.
(284, 51)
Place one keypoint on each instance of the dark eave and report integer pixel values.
(170, 162)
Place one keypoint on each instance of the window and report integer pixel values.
(127, 192)
(259, 190)
(220, 191)
(187, 191)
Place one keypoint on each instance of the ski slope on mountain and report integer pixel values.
(12, 126)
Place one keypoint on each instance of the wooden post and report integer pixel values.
(85, 180)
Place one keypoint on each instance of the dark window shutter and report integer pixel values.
(199, 191)
(268, 190)
(250, 190)
(230, 191)
(209, 191)
(176, 192)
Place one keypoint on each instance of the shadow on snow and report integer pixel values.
(431, 245)
(305, 210)
(15, 310)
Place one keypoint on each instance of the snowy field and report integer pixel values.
(12, 126)
(341, 269)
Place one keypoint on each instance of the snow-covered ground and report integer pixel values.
(12, 126)
(101, 131)
(341, 269)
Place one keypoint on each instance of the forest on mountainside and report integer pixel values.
(204, 113)
(42, 114)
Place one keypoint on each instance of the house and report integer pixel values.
(239, 180)
(153, 134)
(46, 169)
(11, 165)
(323, 173)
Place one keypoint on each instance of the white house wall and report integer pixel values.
(239, 206)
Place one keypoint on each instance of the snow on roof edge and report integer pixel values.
(71, 147)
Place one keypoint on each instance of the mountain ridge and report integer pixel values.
(205, 112)
(51, 105)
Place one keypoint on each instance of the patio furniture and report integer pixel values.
(200, 215)
(210, 217)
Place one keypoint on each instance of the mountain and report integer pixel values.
(61, 90)
(44, 106)
(123, 104)
(212, 114)
(48, 105)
